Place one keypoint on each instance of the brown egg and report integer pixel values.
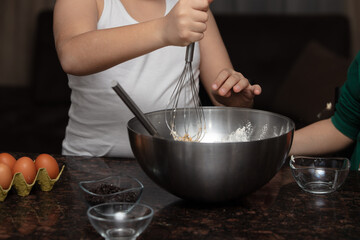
(26, 166)
(5, 176)
(8, 159)
(49, 163)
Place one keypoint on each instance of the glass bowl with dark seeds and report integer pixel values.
(112, 189)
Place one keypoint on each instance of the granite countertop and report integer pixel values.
(279, 210)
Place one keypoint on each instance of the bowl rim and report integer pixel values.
(293, 157)
(215, 108)
(140, 187)
(149, 215)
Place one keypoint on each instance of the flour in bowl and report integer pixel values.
(242, 134)
(246, 134)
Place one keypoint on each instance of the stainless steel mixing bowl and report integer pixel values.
(212, 170)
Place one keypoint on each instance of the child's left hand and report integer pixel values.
(231, 88)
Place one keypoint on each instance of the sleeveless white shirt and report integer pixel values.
(97, 116)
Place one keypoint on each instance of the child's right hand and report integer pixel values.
(186, 22)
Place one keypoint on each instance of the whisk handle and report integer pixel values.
(189, 52)
(134, 109)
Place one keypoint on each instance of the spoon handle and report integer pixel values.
(134, 109)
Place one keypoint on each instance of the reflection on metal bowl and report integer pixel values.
(213, 170)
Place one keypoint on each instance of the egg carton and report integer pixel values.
(23, 188)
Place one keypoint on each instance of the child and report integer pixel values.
(339, 131)
(140, 44)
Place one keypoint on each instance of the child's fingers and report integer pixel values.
(202, 5)
(220, 79)
(232, 82)
(199, 16)
(228, 80)
(257, 89)
(241, 84)
(198, 27)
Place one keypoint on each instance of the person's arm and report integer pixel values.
(82, 49)
(223, 84)
(319, 138)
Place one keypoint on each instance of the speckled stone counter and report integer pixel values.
(279, 210)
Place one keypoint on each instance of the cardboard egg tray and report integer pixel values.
(23, 188)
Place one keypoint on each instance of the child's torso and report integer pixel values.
(98, 118)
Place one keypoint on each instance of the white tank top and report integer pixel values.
(97, 116)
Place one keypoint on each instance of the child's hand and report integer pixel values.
(231, 88)
(186, 22)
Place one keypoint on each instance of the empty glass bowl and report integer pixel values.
(112, 189)
(120, 220)
(319, 175)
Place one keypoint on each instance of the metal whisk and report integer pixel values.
(184, 115)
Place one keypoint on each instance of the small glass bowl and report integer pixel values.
(120, 220)
(319, 175)
(112, 189)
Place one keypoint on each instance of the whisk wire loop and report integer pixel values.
(184, 115)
